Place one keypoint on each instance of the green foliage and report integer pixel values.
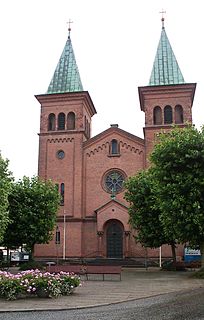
(31, 265)
(144, 211)
(10, 288)
(170, 265)
(199, 274)
(33, 205)
(5, 186)
(36, 283)
(167, 200)
(178, 161)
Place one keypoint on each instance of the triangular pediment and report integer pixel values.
(110, 132)
(112, 210)
(109, 204)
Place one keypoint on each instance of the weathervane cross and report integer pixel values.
(69, 23)
(162, 19)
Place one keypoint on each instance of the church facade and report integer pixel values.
(89, 171)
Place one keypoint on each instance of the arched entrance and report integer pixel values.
(114, 239)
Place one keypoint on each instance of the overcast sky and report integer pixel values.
(115, 43)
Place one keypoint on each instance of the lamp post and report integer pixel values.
(64, 240)
(57, 241)
(160, 256)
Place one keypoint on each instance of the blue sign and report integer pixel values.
(191, 254)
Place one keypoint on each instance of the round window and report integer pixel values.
(113, 181)
(60, 154)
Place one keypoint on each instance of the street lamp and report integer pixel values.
(64, 235)
(57, 240)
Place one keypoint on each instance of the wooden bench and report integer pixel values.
(104, 270)
(88, 271)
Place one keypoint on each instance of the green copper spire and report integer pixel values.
(165, 69)
(66, 77)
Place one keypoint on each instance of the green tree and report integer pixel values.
(33, 206)
(5, 186)
(144, 211)
(178, 161)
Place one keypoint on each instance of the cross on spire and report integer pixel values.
(162, 19)
(69, 28)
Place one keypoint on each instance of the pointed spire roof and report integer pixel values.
(66, 77)
(165, 69)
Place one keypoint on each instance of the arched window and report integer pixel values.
(62, 194)
(61, 121)
(114, 147)
(51, 122)
(178, 114)
(168, 114)
(71, 121)
(157, 115)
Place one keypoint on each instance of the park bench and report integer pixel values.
(89, 271)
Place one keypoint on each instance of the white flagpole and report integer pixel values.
(64, 242)
(160, 256)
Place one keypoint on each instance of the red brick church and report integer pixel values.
(90, 170)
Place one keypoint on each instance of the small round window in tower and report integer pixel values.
(60, 154)
(113, 181)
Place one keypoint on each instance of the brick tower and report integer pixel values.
(65, 124)
(167, 100)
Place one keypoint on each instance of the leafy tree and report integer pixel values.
(144, 211)
(33, 205)
(5, 185)
(178, 161)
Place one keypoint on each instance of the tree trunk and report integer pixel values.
(32, 251)
(7, 255)
(173, 249)
(202, 254)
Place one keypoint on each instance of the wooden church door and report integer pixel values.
(114, 237)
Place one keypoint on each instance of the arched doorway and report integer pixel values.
(114, 239)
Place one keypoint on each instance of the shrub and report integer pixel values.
(199, 274)
(35, 282)
(170, 265)
(30, 265)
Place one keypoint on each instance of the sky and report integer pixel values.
(115, 43)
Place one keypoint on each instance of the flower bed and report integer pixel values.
(36, 283)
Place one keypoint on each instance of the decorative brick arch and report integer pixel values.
(112, 210)
(109, 214)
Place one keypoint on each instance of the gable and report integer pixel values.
(101, 161)
(102, 142)
(112, 210)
